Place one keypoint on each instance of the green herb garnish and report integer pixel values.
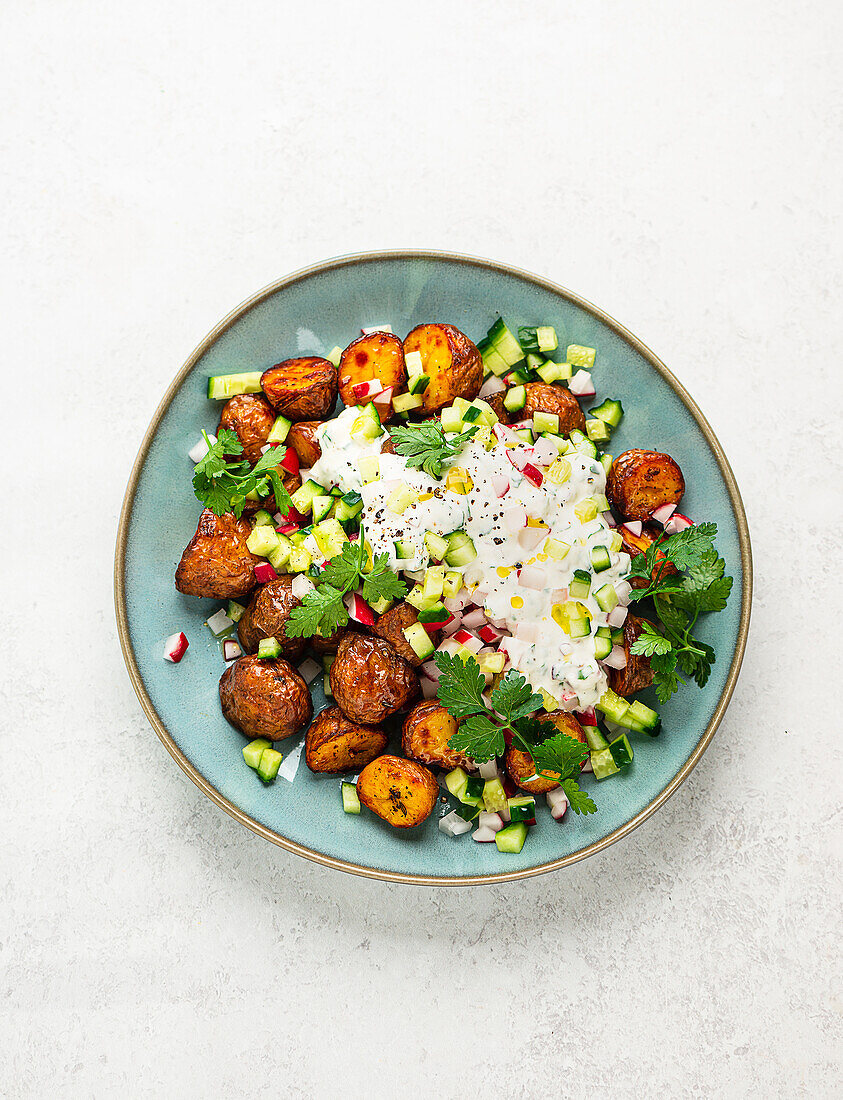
(426, 446)
(222, 484)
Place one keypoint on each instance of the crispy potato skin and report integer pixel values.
(266, 617)
(639, 544)
(401, 792)
(216, 562)
(520, 765)
(554, 399)
(301, 389)
(250, 417)
(330, 644)
(302, 438)
(388, 447)
(391, 626)
(637, 675)
(265, 698)
(641, 481)
(495, 402)
(452, 362)
(379, 355)
(425, 735)
(334, 744)
(369, 680)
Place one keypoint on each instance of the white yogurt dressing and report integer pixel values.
(564, 667)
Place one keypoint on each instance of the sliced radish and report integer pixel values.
(430, 669)
(483, 835)
(358, 609)
(309, 670)
(470, 641)
(489, 633)
(586, 717)
(287, 529)
(290, 462)
(677, 523)
(569, 700)
(301, 586)
(458, 602)
(634, 527)
(453, 626)
(454, 825)
(198, 452)
(586, 765)
(624, 590)
(292, 516)
(545, 451)
(219, 622)
(500, 483)
(491, 821)
(581, 384)
(492, 385)
(383, 402)
(365, 390)
(663, 513)
(519, 456)
(474, 618)
(449, 645)
(514, 517)
(617, 616)
(175, 647)
(533, 475)
(264, 572)
(231, 650)
(532, 576)
(617, 658)
(558, 803)
(375, 328)
(521, 426)
(530, 537)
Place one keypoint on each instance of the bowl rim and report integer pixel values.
(224, 803)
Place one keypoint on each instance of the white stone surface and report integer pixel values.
(678, 164)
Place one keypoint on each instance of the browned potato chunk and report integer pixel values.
(302, 438)
(451, 361)
(216, 562)
(402, 792)
(250, 417)
(641, 481)
(640, 544)
(265, 698)
(495, 403)
(334, 744)
(554, 399)
(520, 765)
(427, 730)
(331, 644)
(369, 680)
(266, 617)
(637, 675)
(391, 626)
(301, 389)
(379, 355)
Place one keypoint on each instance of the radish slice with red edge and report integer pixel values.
(492, 385)
(663, 513)
(581, 384)
(617, 616)
(500, 483)
(533, 475)
(634, 526)
(617, 658)
(290, 462)
(558, 803)
(301, 586)
(488, 820)
(489, 769)
(358, 609)
(264, 573)
(231, 650)
(586, 717)
(483, 835)
(474, 618)
(363, 391)
(375, 328)
(175, 647)
(532, 577)
(677, 523)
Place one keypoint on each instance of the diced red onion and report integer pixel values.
(623, 589)
(175, 647)
(309, 670)
(663, 513)
(474, 618)
(609, 519)
(533, 576)
(617, 616)
(530, 537)
(200, 449)
(453, 626)
(231, 650)
(219, 622)
(301, 586)
(375, 328)
(454, 825)
(483, 835)
(581, 384)
(491, 821)
(430, 669)
(677, 523)
(492, 385)
(617, 658)
(634, 526)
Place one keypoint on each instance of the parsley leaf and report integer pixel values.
(222, 483)
(559, 755)
(579, 801)
(321, 611)
(425, 446)
(664, 667)
(513, 697)
(343, 570)
(650, 642)
(480, 738)
(461, 685)
(380, 583)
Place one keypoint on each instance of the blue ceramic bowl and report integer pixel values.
(308, 313)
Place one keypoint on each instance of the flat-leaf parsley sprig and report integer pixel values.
(698, 586)
(513, 704)
(222, 483)
(425, 446)
(323, 611)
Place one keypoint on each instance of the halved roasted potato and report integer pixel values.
(425, 735)
(302, 438)
(334, 744)
(542, 397)
(250, 417)
(217, 563)
(450, 360)
(391, 626)
(521, 766)
(376, 355)
(265, 698)
(301, 389)
(401, 792)
(638, 674)
(369, 680)
(640, 544)
(641, 481)
(266, 617)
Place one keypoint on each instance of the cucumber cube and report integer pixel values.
(350, 801)
(581, 356)
(253, 751)
(511, 838)
(223, 386)
(270, 762)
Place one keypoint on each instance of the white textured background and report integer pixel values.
(680, 165)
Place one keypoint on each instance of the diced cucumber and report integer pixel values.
(469, 813)
(349, 506)
(613, 706)
(602, 648)
(262, 518)
(416, 385)
(494, 796)
(609, 411)
(579, 628)
(303, 498)
(438, 613)
(330, 537)
(504, 343)
(587, 448)
(269, 647)
(321, 506)
(405, 402)
(580, 356)
(434, 582)
(416, 599)
(580, 586)
(453, 584)
(236, 611)
(495, 362)
(598, 431)
(556, 549)
(262, 541)
(524, 434)
(451, 419)
(551, 372)
(617, 636)
(546, 338)
(278, 431)
(647, 720)
(545, 422)
(334, 355)
(436, 545)
(607, 598)
(473, 793)
(223, 386)
(270, 762)
(369, 467)
(456, 781)
(515, 399)
(350, 801)
(419, 641)
(522, 808)
(471, 414)
(299, 560)
(381, 605)
(279, 557)
(460, 550)
(606, 462)
(367, 424)
(603, 764)
(401, 498)
(511, 837)
(600, 559)
(404, 550)
(594, 738)
(254, 750)
(621, 751)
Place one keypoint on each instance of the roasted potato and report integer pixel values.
(402, 792)
(451, 361)
(301, 389)
(334, 744)
(331, 644)
(379, 355)
(391, 626)
(554, 399)
(265, 698)
(250, 417)
(641, 481)
(216, 562)
(291, 482)
(640, 544)
(637, 675)
(427, 730)
(266, 617)
(369, 680)
(302, 438)
(520, 765)
(495, 403)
